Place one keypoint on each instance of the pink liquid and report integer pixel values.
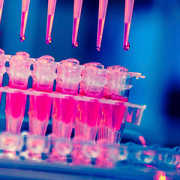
(50, 19)
(118, 114)
(64, 114)
(23, 25)
(15, 107)
(126, 45)
(75, 32)
(40, 107)
(100, 32)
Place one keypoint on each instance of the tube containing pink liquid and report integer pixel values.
(19, 73)
(76, 20)
(94, 79)
(24, 15)
(101, 20)
(50, 19)
(40, 106)
(64, 110)
(129, 5)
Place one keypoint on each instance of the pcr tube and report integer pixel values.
(40, 105)
(19, 73)
(64, 110)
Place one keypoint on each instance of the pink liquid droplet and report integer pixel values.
(126, 46)
(22, 38)
(48, 40)
(75, 44)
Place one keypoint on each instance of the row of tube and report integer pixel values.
(90, 119)
(129, 4)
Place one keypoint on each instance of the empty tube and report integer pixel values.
(101, 20)
(50, 19)
(24, 15)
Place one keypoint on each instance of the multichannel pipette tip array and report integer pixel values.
(129, 4)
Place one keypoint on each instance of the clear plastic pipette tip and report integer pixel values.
(1, 9)
(101, 20)
(129, 4)
(76, 20)
(24, 15)
(50, 19)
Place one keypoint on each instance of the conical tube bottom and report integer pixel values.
(37, 127)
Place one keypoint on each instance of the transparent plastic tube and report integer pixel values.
(19, 73)
(64, 110)
(24, 15)
(76, 20)
(40, 106)
(129, 4)
(3, 59)
(101, 20)
(50, 19)
(94, 79)
(1, 9)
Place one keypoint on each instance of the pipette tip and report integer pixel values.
(126, 46)
(75, 44)
(48, 40)
(98, 48)
(22, 38)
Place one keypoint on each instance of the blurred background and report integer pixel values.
(154, 41)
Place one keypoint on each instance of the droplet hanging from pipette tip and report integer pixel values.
(75, 44)
(48, 40)
(22, 38)
(126, 46)
(98, 48)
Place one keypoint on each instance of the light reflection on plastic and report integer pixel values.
(142, 140)
(160, 176)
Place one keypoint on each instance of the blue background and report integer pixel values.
(154, 40)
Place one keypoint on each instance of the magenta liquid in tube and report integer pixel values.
(64, 110)
(94, 77)
(40, 106)
(19, 73)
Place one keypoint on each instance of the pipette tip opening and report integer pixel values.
(126, 46)
(22, 38)
(75, 44)
(98, 48)
(48, 40)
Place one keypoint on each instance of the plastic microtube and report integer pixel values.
(50, 19)
(19, 73)
(24, 15)
(94, 79)
(3, 59)
(76, 20)
(129, 4)
(40, 106)
(101, 20)
(64, 110)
